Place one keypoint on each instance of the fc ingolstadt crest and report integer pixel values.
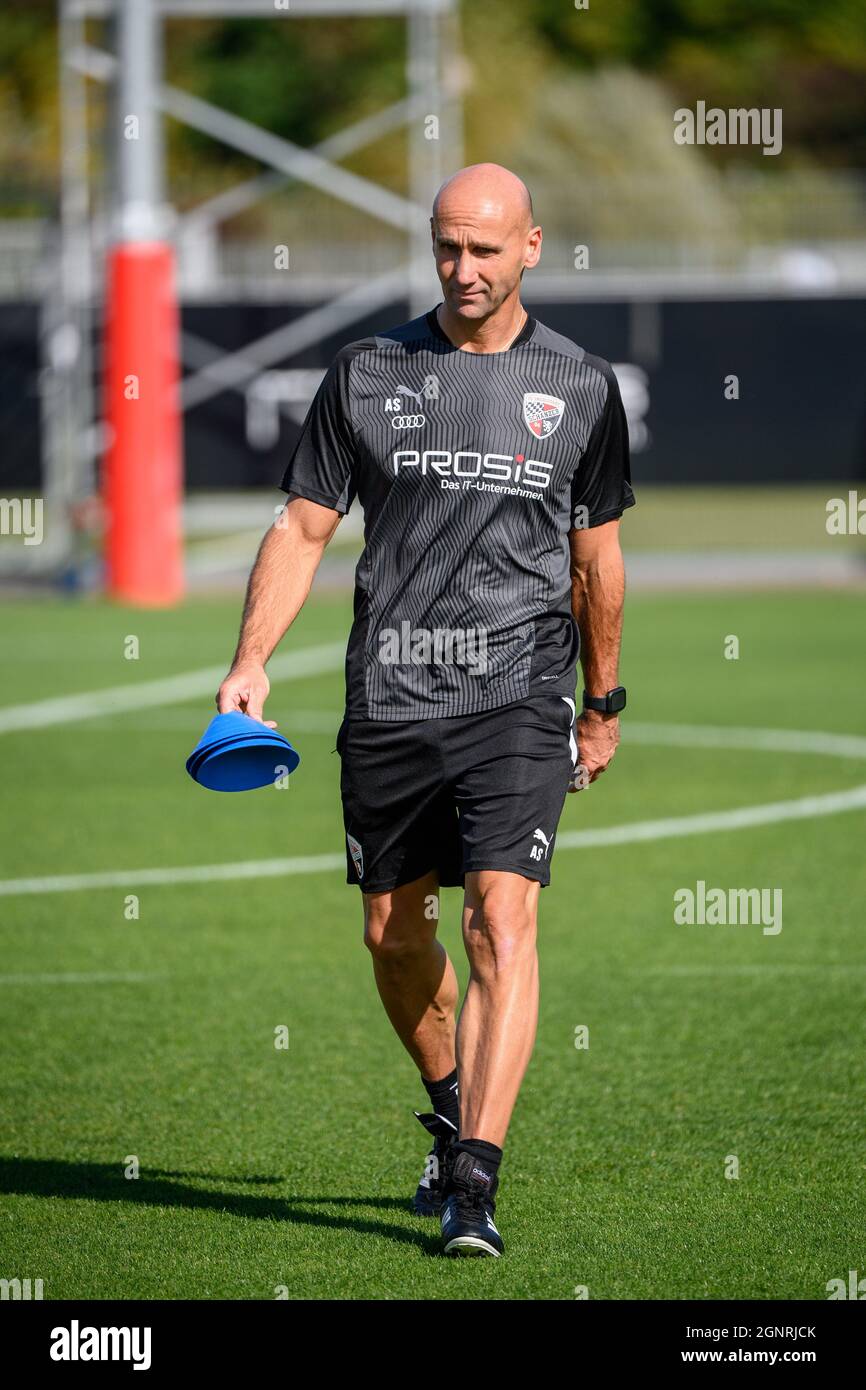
(542, 413)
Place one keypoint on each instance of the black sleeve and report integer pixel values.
(321, 467)
(601, 485)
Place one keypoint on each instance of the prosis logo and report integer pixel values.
(465, 468)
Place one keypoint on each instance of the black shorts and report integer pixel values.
(478, 791)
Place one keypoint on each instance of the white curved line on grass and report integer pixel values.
(760, 740)
(804, 808)
(169, 690)
(196, 873)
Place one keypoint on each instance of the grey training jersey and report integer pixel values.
(471, 469)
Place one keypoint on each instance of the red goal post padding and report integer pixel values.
(143, 469)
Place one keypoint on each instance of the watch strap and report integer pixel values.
(610, 703)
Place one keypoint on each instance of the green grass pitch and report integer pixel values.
(265, 1169)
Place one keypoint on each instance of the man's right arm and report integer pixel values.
(278, 586)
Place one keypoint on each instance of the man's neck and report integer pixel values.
(496, 333)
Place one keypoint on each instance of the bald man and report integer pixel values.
(490, 457)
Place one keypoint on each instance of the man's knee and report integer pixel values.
(397, 925)
(394, 942)
(499, 924)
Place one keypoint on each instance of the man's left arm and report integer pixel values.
(597, 594)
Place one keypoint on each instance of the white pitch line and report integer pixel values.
(188, 719)
(830, 804)
(194, 873)
(762, 740)
(807, 807)
(321, 658)
(795, 741)
(169, 690)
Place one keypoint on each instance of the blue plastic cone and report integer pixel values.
(238, 753)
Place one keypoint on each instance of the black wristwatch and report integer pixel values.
(611, 703)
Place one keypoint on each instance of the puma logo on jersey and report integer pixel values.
(429, 391)
(407, 391)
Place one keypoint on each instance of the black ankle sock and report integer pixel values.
(488, 1154)
(443, 1097)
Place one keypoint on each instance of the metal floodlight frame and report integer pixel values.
(73, 435)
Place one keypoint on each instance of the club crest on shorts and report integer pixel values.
(542, 413)
(357, 854)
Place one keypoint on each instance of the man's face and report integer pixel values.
(479, 257)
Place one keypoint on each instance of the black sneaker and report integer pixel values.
(428, 1198)
(468, 1207)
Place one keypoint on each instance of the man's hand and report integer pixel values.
(597, 738)
(246, 688)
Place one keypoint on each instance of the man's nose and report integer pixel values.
(464, 269)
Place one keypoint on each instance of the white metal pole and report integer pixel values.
(141, 215)
(426, 134)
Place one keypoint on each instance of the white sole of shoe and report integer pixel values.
(470, 1245)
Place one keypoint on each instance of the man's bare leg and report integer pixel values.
(496, 1032)
(414, 976)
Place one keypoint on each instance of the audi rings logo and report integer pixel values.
(407, 422)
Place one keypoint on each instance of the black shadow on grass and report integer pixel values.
(254, 1178)
(104, 1182)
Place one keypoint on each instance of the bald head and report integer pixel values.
(484, 238)
(489, 189)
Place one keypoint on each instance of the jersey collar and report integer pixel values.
(523, 336)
